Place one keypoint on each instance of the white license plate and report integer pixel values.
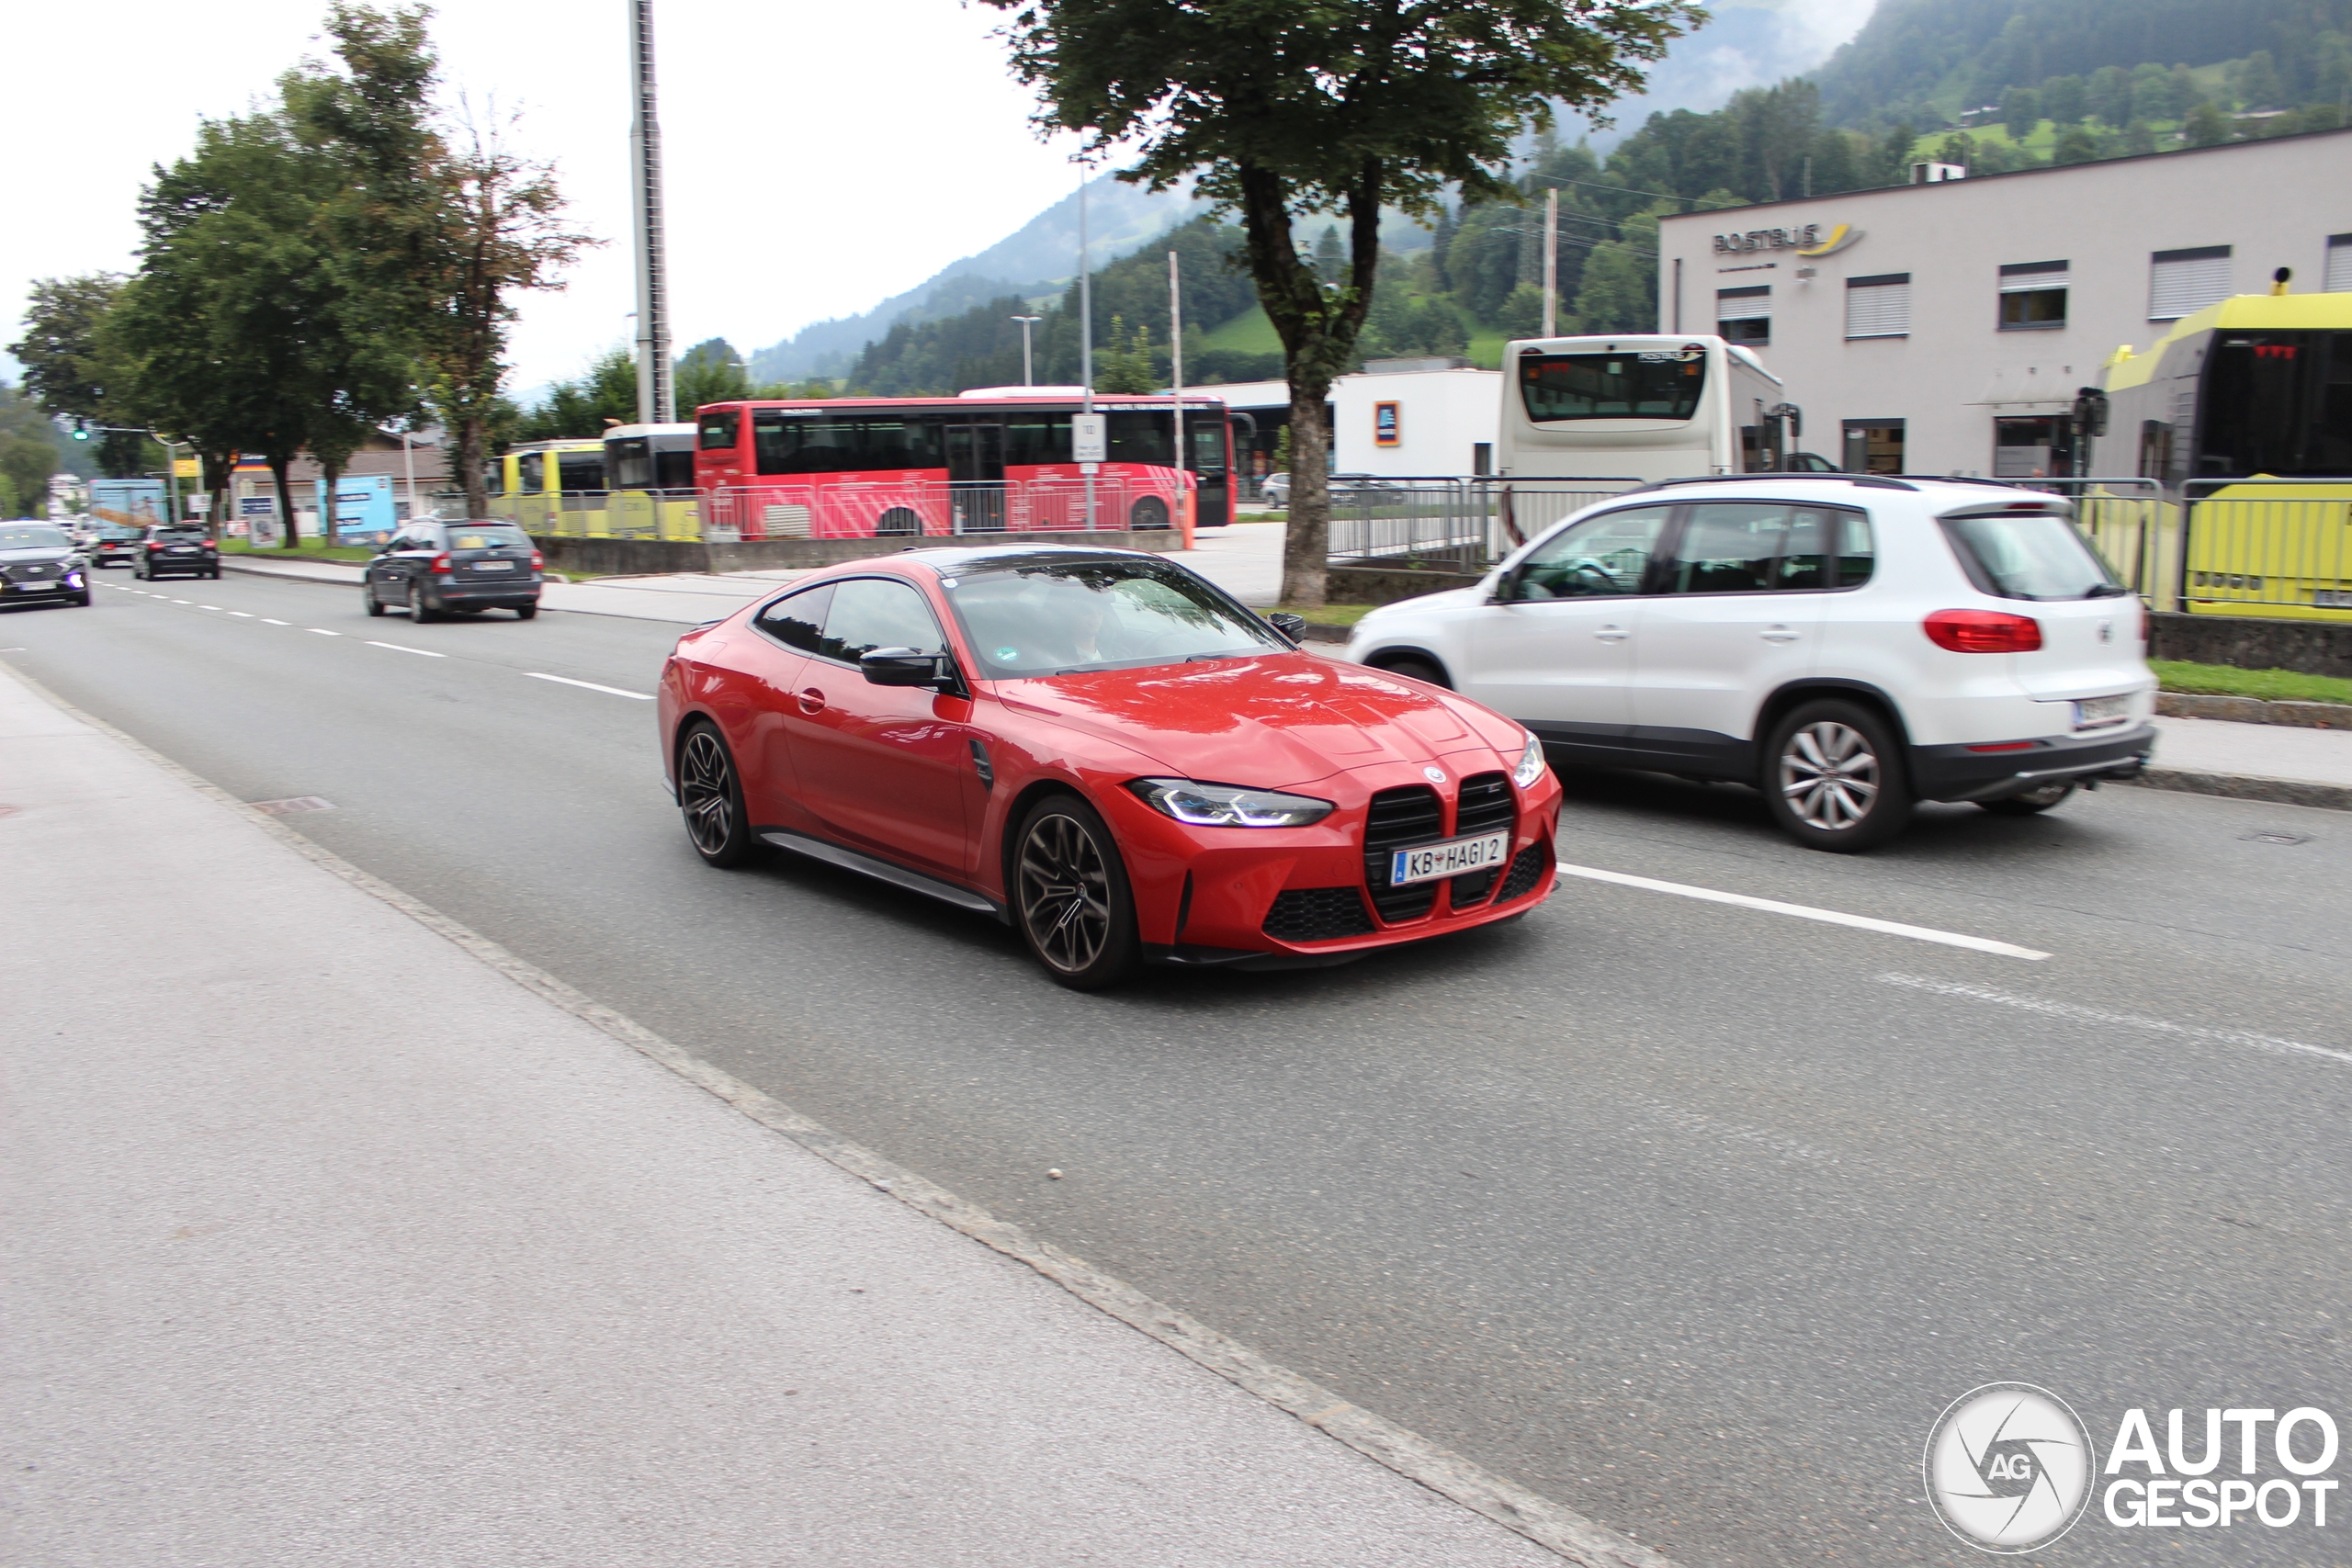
(2092, 713)
(494, 566)
(35, 587)
(1452, 858)
(2331, 598)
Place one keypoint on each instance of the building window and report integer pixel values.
(2032, 448)
(1745, 315)
(2183, 282)
(1873, 446)
(1879, 306)
(2338, 279)
(2033, 296)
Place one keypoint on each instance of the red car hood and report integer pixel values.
(1273, 722)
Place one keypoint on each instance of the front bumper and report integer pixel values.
(1966, 773)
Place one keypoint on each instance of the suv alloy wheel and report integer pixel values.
(1833, 777)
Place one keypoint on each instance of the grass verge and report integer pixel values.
(1328, 614)
(358, 553)
(2271, 685)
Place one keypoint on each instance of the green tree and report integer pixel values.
(64, 363)
(1523, 314)
(1355, 106)
(1330, 256)
(2109, 95)
(1125, 363)
(582, 409)
(2022, 111)
(710, 372)
(2138, 136)
(2257, 83)
(2205, 127)
(2065, 99)
(2076, 145)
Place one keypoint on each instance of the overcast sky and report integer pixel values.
(821, 157)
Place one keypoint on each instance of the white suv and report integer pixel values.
(1849, 645)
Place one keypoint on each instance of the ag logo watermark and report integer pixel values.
(2009, 1467)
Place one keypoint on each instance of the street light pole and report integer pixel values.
(657, 401)
(1028, 374)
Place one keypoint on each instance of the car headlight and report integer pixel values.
(1531, 765)
(1229, 805)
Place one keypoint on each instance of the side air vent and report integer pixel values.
(1526, 871)
(1397, 817)
(1317, 914)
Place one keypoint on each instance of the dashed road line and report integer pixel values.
(274, 621)
(396, 647)
(2076, 1012)
(1807, 912)
(320, 631)
(242, 615)
(591, 685)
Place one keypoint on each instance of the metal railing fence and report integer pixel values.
(2273, 547)
(853, 509)
(1451, 523)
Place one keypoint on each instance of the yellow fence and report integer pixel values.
(2276, 548)
(604, 514)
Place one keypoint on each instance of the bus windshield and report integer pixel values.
(2277, 403)
(1655, 383)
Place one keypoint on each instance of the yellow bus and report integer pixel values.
(650, 471)
(550, 487)
(2243, 414)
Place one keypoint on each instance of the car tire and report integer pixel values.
(84, 600)
(526, 612)
(1148, 515)
(710, 798)
(420, 606)
(1833, 777)
(1413, 668)
(2032, 802)
(375, 605)
(1070, 897)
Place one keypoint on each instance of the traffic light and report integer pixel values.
(81, 430)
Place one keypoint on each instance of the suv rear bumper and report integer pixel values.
(1965, 772)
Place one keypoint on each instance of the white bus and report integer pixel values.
(1644, 406)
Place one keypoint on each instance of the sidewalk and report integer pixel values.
(2254, 761)
(331, 1243)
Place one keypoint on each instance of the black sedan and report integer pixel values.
(38, 565)
(432, 569)
(176, 549)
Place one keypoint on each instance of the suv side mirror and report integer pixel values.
(1290, 625)
(904, 666)
(1506, 586)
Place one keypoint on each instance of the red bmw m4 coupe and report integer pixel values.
(1106, 751)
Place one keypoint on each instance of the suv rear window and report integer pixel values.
(486, 536)
(2029, 555)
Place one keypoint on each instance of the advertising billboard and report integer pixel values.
(363, 509)
(134, 503)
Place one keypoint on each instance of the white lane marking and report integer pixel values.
(207, 606)
(320, 631)
(396, 647)
(1806, 912)
(242, 615)
(272, 620)
(591, 685)
(187, 602)
(2120, 1019)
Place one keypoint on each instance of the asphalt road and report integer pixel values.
(1690, 1216)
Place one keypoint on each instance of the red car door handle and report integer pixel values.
(812, 701)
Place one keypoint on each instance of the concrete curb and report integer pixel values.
(1550, 1524)
(2254, 710)
(2249, 786)
(295, 571)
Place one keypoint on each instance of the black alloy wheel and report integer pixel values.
(526, 612)
(1833, 777)
(711, 798)
(2032, 802)
(1414, 669)
(1070, 896)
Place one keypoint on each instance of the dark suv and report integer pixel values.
(118, 543)
(176, 550)
(433, 567)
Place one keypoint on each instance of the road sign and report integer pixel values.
(187, 468)
(1088, 443)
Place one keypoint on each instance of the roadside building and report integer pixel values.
(1395, 417)
(1945, 327)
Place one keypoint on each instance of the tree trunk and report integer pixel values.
(1306, 539)
(331, 479)
(471, 439)
(279, 462)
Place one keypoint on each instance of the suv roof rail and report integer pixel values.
(1868, 482)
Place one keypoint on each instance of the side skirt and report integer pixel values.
(883, 871)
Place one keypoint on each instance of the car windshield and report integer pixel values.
(1056, 617)
(486, 536)
(2029, 555)
(32, 536)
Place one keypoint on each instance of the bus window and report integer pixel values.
(1146, 437)
(674, 470)
(719, 430)
(1651, 384)
(632, 464)
(493, 476)
(2277, 403)
(842, 443)
(1208, 443)
(533, 467)
(1036, 438)
(581, 470)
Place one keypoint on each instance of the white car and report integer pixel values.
(1849, 644)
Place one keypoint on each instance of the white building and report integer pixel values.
(1945, 328)
(1396, 417)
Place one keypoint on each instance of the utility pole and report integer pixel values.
(657, 400)
(1028, 366)
(1551, 261)
(1086, 337)
(1176, 355)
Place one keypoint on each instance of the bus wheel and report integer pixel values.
(898, 520)
(1149, 513)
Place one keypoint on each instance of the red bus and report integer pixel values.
(996, 461)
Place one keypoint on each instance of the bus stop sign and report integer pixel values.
(1088, 443)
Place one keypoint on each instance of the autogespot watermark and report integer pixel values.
(2010, 1468)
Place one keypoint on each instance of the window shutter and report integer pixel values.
(2339, 265)
(2028, 278)
(1743, 304)
(2181, 282)
(1879, 306)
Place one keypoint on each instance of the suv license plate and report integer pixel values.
(494, 566)
(2095, 713)
(1452, 858)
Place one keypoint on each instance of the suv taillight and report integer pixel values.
(1982, 631)
(154, 543)
(538, 560)
(441, 563)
